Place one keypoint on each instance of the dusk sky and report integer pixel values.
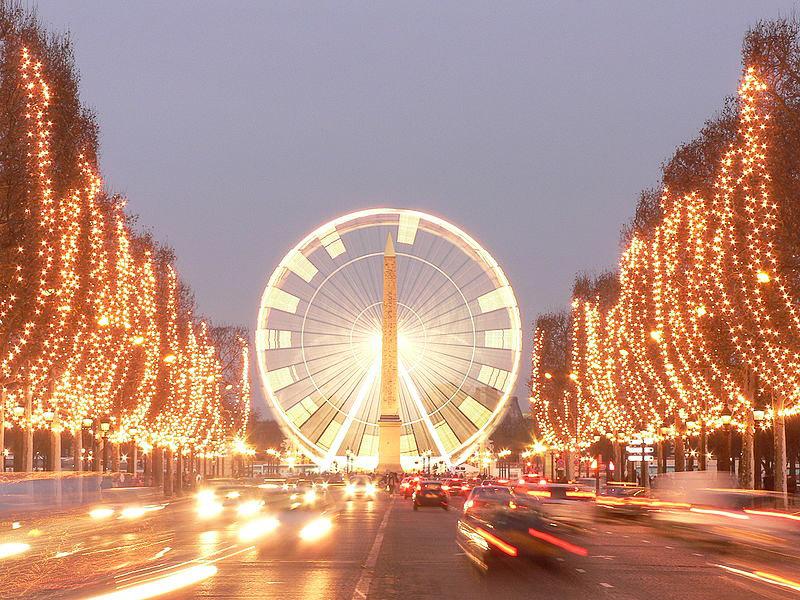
(236, 128)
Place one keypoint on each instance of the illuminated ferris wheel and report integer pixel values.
(319, 334)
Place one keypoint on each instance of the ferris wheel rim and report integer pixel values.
(480, 254)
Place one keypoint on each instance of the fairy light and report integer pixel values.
(710, 262)
(93, 308)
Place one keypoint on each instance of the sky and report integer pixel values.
(236, 128)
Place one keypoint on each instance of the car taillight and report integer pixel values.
(497, 542)
(464, 487)
(445, 487)
(468, 504)
(405, 485)
(419, 487)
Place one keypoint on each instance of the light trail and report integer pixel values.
(161, 585)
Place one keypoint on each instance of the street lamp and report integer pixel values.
(19, 410)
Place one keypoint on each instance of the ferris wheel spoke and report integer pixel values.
(437, 303)
(416, 286)
(414, 393)
(336, 308)
(363, 390)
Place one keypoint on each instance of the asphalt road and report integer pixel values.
(377, 549)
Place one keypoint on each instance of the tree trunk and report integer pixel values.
(779, 433)
(746, 464)
(702, 454)
(115, 457)
(55, 447)
(170, 474)
(2, 429)
(77, 450)
(27, 432)
(680, 457)
(158, 466)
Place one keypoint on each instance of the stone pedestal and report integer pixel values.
(390, 428)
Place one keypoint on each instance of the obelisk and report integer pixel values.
(389, 421)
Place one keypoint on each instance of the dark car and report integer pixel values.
(430, 493)
(622, 501)
(499, 533)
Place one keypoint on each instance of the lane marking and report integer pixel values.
(368, 571)
(581, 570)
(606, 585)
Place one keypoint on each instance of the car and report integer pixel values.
(455, 487)
(430, 493)
(229, 501)
(489, 497)
(622, 501)
(570, 504)
(360, 486)
(408, 485)
(501, 533)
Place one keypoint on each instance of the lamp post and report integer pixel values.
(662, 450)
(759, 414)
(726, 416)
(596, 467)
(3, 395)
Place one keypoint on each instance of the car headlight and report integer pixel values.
(371, 489)
(316, 529)
(350, 489)
(310, 497)
(232, 495)
(207, 510)
(248, 508)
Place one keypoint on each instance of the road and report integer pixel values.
(377, 549)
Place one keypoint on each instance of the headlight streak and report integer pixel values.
(316, 529)
(719, 513)
(162, 585)
(258, 528)
(209, 510)
(764, 577)
(770, 513)
(101, 512)
(249, 508)
(132, 512)
(9, 549)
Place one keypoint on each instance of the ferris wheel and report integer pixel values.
(319, 334)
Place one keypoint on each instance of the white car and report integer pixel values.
(361, 486)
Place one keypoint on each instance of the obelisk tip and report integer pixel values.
(389, 251)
